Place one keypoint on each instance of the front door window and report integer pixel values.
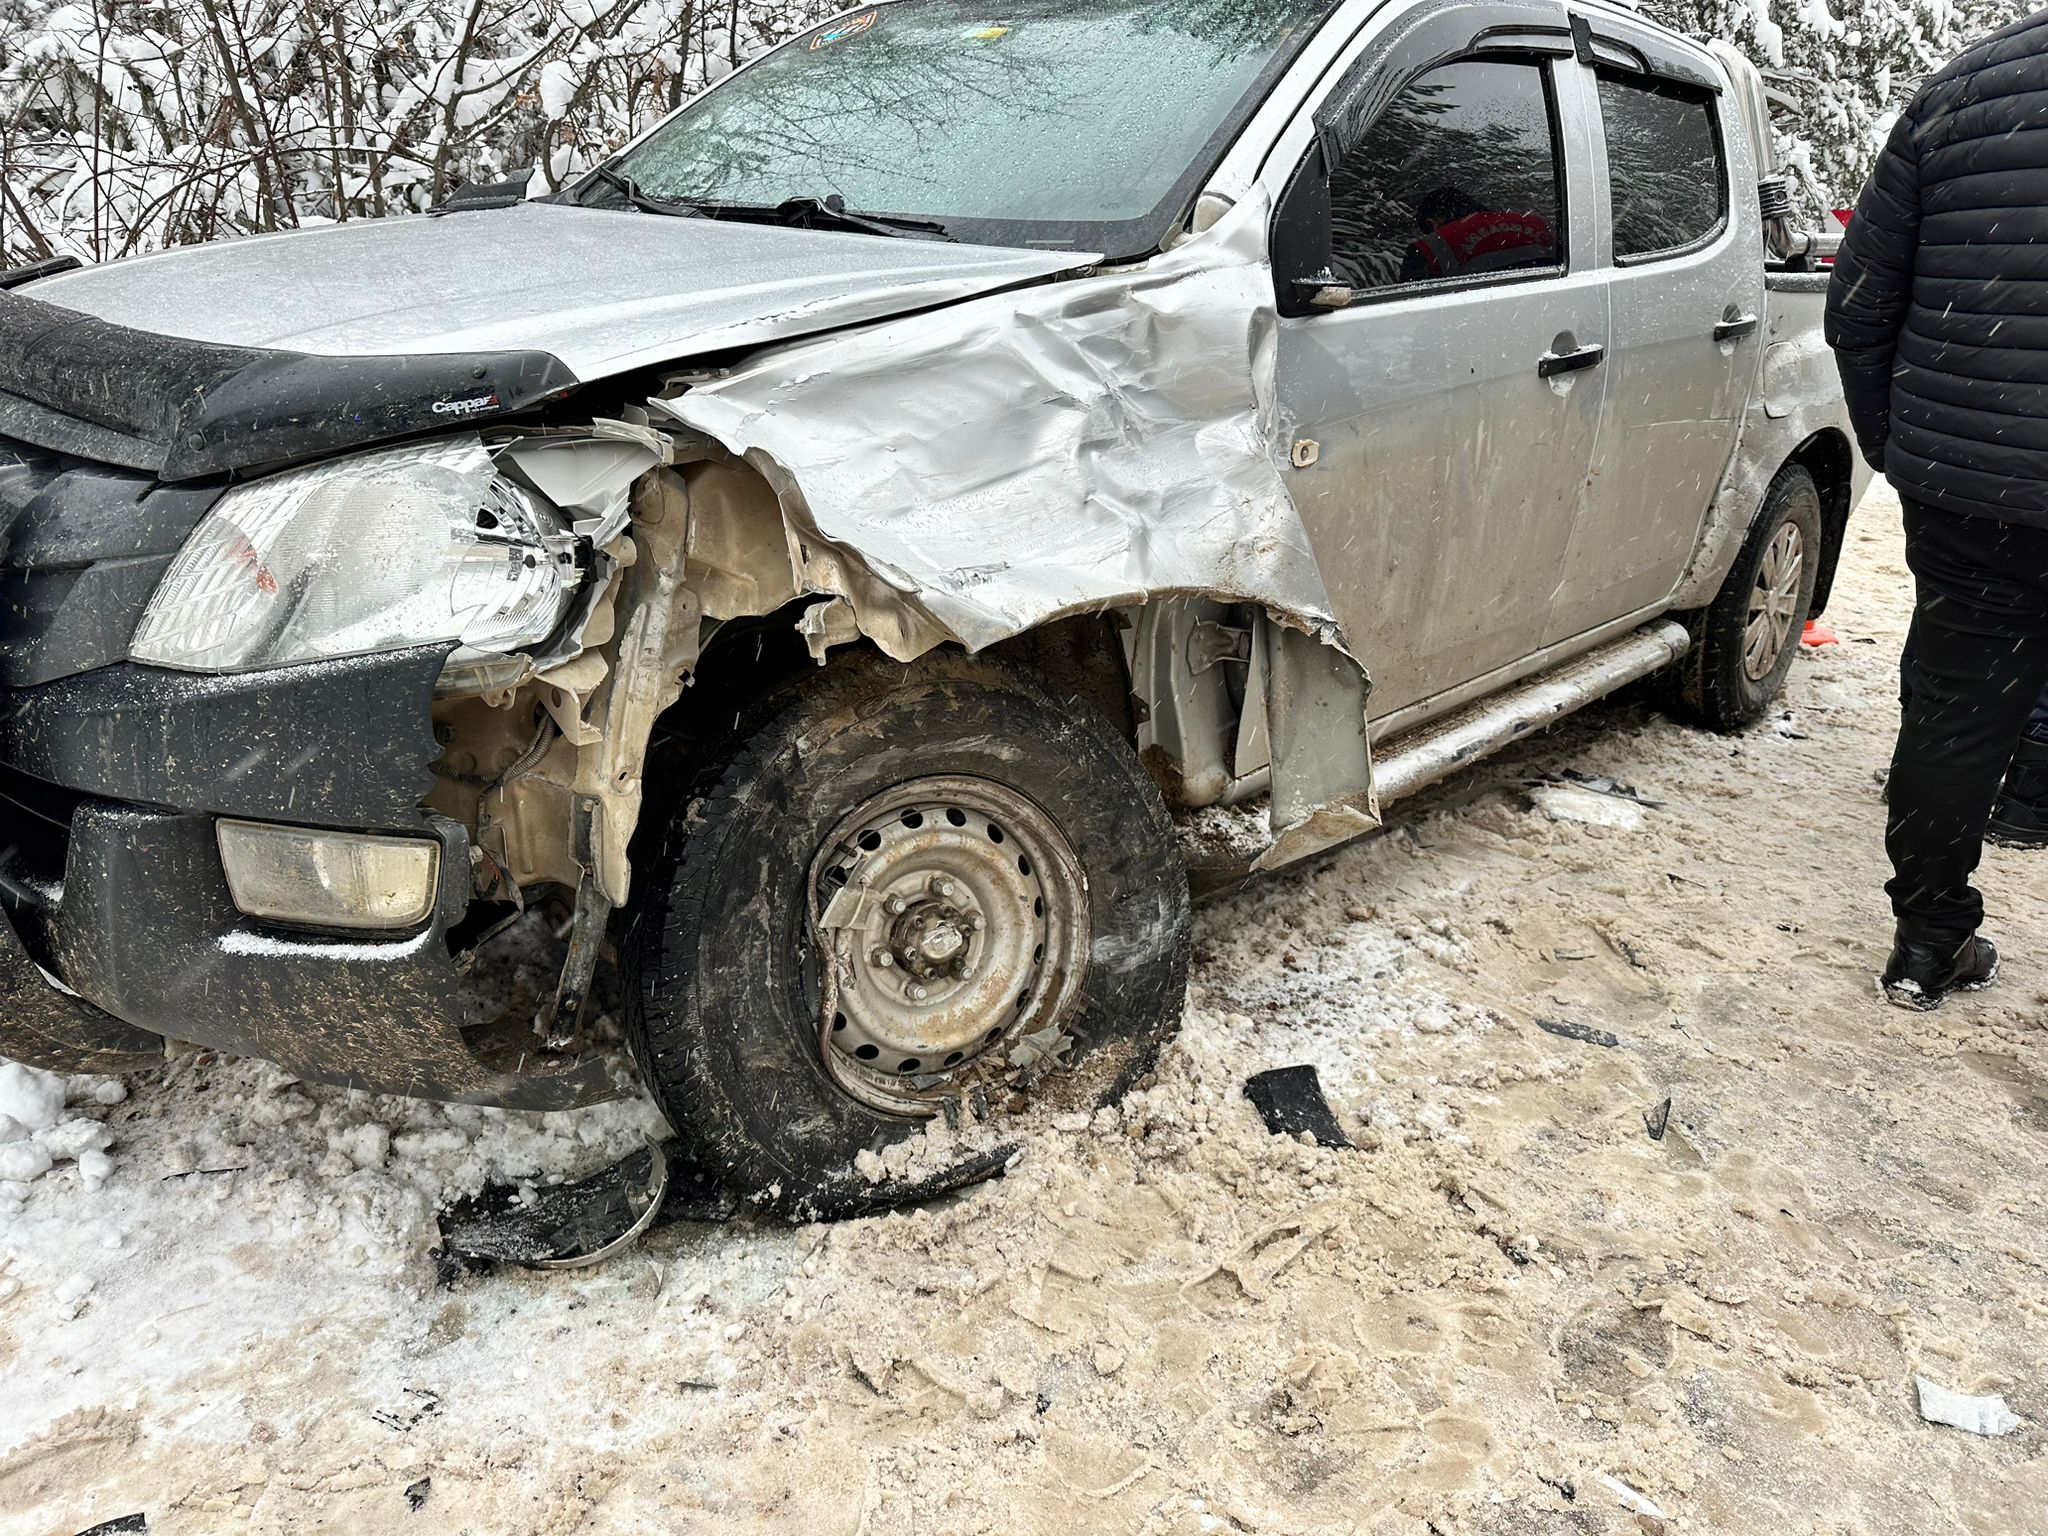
(1458, 180)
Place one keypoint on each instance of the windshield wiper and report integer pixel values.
(822, 213)
(828, 212)
(627, 188)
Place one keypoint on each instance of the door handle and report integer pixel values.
(1736, 325)
(1551, 364)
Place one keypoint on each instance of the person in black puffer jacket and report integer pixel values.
(1938, 314)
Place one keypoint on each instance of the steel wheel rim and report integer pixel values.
(953, 915)
(1774, 602)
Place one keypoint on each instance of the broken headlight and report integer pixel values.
(399, 547)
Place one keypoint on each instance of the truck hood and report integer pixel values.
(258, 353)
(602, 292)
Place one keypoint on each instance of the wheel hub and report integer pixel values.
(956, 914)
(933, 937)
(1774, 603)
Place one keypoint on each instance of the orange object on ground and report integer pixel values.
(1817, 633)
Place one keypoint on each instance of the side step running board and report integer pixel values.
(1222, 845)
(1437, 750)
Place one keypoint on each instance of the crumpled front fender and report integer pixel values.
(1064, 448)
(1058, 449)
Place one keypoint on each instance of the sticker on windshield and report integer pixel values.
(987, 34)
(843, 31)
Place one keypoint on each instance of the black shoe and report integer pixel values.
(2020, 819)
(1920, 975)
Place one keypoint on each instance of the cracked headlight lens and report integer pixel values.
(376, 552)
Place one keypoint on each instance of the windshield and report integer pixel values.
(1082, 125)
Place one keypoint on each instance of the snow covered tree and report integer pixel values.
(1838, 70)
(131, 124)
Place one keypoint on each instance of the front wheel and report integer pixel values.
(1745, 641)
(940, 889)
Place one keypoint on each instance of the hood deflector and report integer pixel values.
(185, 409)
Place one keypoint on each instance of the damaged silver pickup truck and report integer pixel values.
(829, 556)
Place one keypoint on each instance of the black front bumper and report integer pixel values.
(111, 880)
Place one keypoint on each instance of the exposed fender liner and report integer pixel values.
(976, 472)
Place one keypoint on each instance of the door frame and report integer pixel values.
(1403, 45)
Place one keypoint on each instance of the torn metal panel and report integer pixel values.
(588, 474)
(1322, 761)
(1060, 449)
(979, 472)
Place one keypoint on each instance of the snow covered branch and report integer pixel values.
(131, 124)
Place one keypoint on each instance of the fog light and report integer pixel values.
(319, 879)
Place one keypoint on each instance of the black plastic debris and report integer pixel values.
(565, 1226)
(416, 1493)
(694, 1194)
(1657, 1119)
(1584, 1033)
(134, 1522)
(1290, 1100)
(414, 1407)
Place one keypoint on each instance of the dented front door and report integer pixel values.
(1443, 423)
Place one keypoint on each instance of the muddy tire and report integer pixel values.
(996, 879)
(1744, 643)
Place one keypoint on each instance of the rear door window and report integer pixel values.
(1458, 180)
(1665, 166)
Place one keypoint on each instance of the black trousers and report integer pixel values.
(1981, 627)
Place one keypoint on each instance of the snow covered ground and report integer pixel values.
(1509, 1310)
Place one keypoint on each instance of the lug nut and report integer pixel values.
(943, 888)
(880, 958)
(915, 993)
(895, 906)
(977, 922)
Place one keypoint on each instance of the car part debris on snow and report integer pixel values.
(1630, 1499)
(1975, 1415)
(1290, 1100)
(1657, 1120)
(563, 1226)
(1600, 784)
(1584, 1033)
(1590, 807)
